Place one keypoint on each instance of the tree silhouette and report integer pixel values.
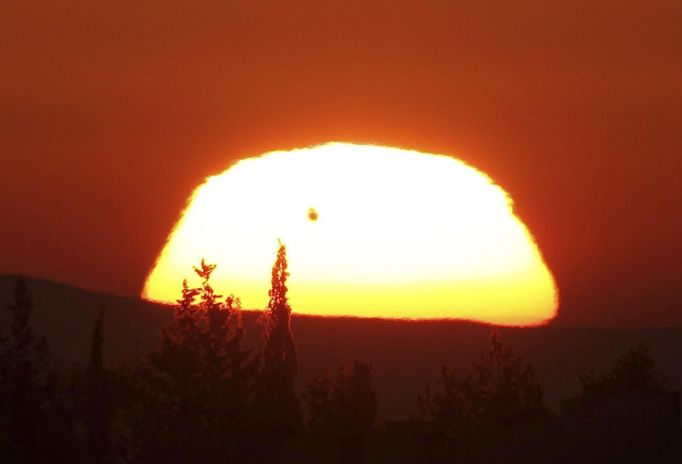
(193, 391)
(4, 385)
(36, 423)
(633, 373)
(342, 409)
(229, 373)
(276, 404)
(98, 402)
(500, 392)
(24, 382)
(279, 354)
(447, 407)
(167, 418)
(504, 388)
(624, 415)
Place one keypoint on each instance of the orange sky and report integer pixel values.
(111, 114)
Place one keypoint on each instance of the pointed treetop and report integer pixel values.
(20, 307)
(278, 290)
(22, 298)
(96, 363)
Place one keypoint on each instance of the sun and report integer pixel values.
(371, 231)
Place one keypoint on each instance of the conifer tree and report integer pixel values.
(4, 395)
(633, 373)
(4, 375)
(447, 408)
(276, 404)
(500, 392)
(24, 382)
(98, 407)
(35, 423)
(194, 390)
(342, 410)
(163, 407)
(279, 354)
(503, 388)
(228, 373)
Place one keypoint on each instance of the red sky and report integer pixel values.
(112, 112)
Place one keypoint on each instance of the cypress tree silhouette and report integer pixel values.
(279, 354)
(23, 384)
(4, 383)
(276, 404)
(98, 402)
(342, 410)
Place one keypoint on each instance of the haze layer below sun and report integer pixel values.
(370, 231)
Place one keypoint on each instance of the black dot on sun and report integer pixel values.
(312, 214)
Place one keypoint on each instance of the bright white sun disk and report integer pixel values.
(370, 231)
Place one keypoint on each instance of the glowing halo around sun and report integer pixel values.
(370, 231)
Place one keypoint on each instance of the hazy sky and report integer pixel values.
(112, 112)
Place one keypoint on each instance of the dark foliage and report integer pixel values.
(504, 389)
(192, 394)
(277, 408)
(500, 393)
(200, 397)
(633, 373)
(97, 403)
(35, 424)
(342, 410)
(625, 415)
